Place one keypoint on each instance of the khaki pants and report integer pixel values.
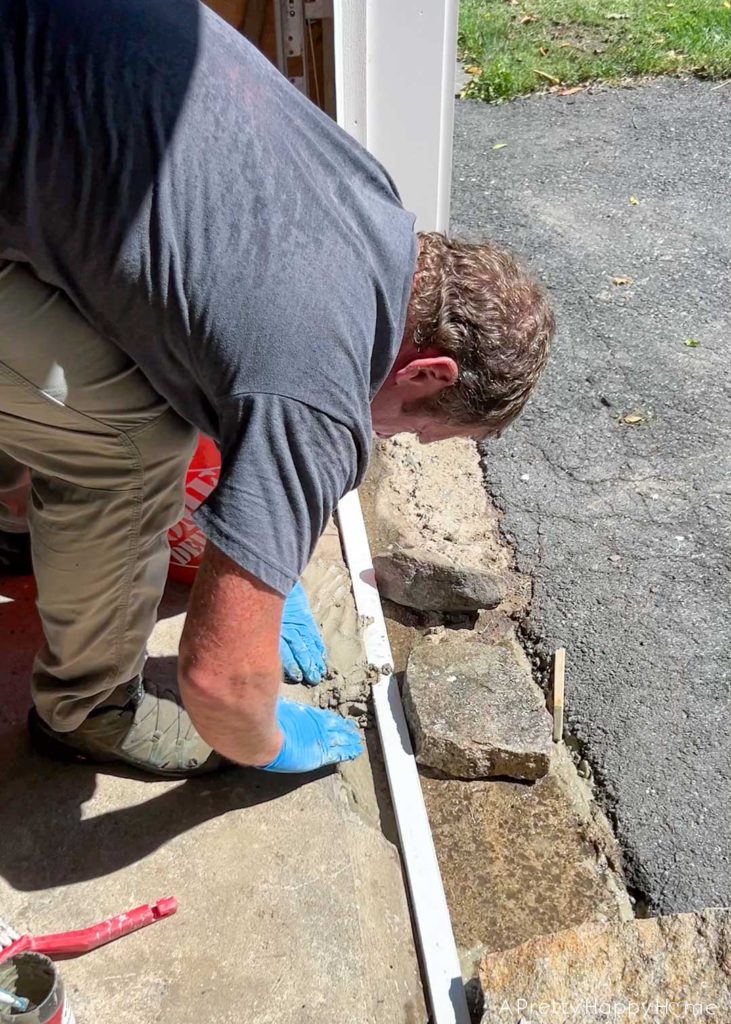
(107, 460)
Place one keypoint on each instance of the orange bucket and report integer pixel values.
(187, 541)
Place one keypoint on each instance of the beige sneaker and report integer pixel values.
(150, 731)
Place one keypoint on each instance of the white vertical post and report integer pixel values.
(411, 51)
(350, 67)
(394, 70)
(446, 120)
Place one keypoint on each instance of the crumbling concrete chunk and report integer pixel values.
(657, 970)
(429, 581)
(475, 711)
(433, 532)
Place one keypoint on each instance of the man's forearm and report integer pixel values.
(235, 716)
(228, 667)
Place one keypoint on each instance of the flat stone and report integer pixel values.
(520, 861)
(430, 581)
(475, 711)
(435, 538)
(658, 970)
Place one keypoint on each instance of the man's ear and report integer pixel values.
(428, 375)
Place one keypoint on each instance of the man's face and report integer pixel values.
(415, 378)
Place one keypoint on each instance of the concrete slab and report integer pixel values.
(292, 906)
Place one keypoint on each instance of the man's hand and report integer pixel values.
(301, 648)
(313, 738)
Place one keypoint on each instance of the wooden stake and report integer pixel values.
(559, 674)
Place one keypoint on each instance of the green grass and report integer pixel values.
(520, 46)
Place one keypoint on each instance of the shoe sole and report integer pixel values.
(48, 743)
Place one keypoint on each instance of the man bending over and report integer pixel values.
(187, 243)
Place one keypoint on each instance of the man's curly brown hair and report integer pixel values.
(478, 305)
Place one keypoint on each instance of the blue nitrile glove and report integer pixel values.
(313, 738)
(300, 646)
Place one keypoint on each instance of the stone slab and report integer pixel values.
(521, 860)
(474, 709)
(427, 580)
(658, 970)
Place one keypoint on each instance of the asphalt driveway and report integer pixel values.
(615, 482)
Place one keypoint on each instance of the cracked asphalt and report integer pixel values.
(625, 528)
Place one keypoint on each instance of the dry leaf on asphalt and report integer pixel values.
(633, 419)
(634, 201)
(572, 91)
(623, 280)
(500, 145)
(692, 343)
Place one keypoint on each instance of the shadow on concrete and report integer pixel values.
(387, 818)
(46, 841)
(45, 838)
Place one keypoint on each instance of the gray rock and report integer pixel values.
(429, 581)
(475, 711)
(657, 970)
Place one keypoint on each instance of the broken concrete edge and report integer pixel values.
(597, 832)
(434, 543)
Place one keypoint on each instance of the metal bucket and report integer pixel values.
(36, 978)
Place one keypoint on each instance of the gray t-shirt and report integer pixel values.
(248, 255)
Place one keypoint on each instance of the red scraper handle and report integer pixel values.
(86, 939)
